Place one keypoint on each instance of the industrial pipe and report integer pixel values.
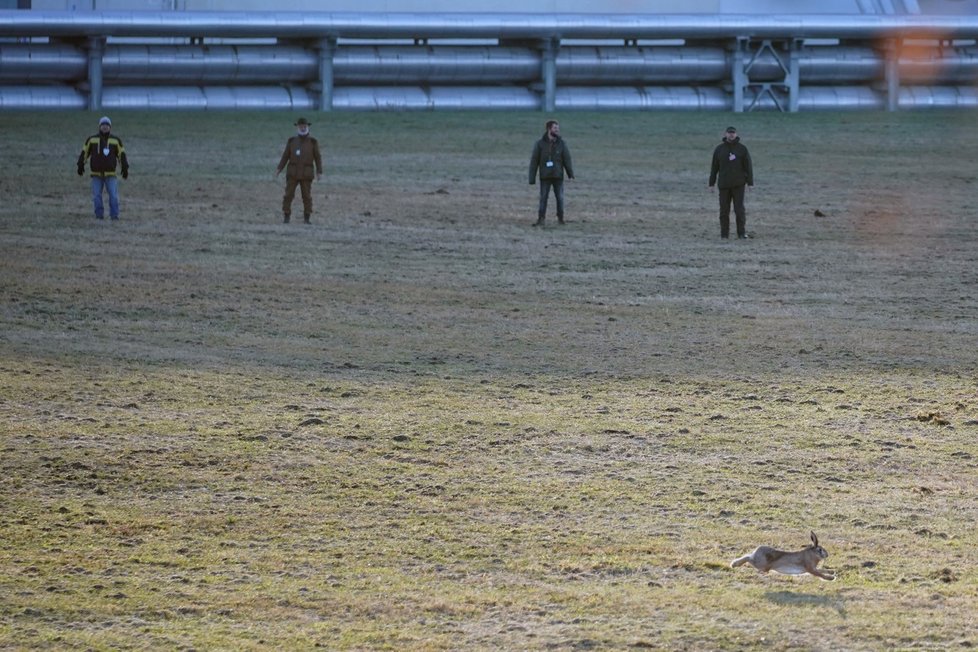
(354, 25)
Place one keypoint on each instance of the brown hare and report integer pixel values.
(806, 560)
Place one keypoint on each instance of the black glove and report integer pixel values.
(81, 169)
(125, 173)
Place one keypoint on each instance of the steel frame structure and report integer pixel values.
(360, 61)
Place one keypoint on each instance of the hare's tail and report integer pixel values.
(740, 561)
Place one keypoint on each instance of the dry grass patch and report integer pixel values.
(420, 424)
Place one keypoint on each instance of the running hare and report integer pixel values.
(806, 560)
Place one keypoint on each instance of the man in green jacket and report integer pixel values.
(732, 172)
(305, 163)
(551, 157)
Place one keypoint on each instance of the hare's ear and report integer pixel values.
(814, 539)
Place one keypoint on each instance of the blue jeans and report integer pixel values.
(558, 187)
(111, 184)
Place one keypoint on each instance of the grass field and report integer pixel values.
(419, 424)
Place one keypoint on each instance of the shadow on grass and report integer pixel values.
(793, 599)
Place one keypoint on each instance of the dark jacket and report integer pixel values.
(731, 165)
(303, 158)
(551, 159)
(104, 153)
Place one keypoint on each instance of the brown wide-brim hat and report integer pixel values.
(302, 121)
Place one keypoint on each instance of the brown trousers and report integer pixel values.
(305, 185)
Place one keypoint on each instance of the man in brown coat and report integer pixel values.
(304, 161)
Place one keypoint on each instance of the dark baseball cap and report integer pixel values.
(731, 130)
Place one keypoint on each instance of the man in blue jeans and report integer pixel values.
(104, 152)
(550, 157)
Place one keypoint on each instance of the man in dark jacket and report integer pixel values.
(551, 157)
(732, 172)
(305, 163)
(104, 152)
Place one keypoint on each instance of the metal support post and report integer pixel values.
(96, 50)
(792, 79)
(738, 75)
(327, 50)
(549, 74)
(892, 52)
